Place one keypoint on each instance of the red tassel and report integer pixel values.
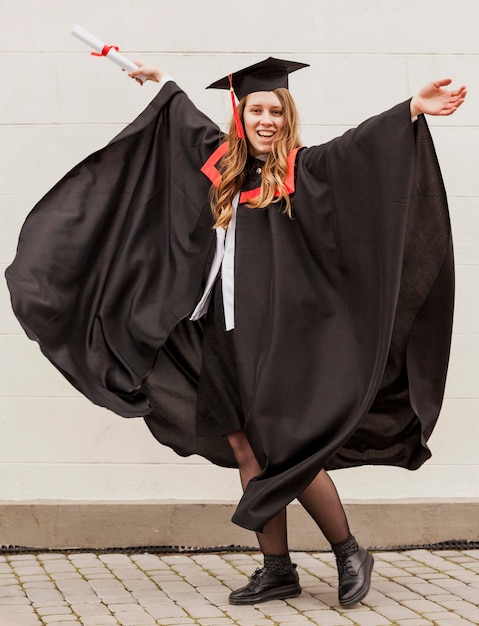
(238, 124)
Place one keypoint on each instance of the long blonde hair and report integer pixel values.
(274, 171)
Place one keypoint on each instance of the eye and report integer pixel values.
(277, 112)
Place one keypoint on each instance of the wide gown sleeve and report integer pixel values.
(112, 257)
(390, 211)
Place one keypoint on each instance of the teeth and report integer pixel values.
(265, 133)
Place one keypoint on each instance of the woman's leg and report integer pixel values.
(278, 578)
(273, 540)
(322, 502)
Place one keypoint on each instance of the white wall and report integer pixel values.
(58, 104)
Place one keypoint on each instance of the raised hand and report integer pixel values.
(434, 99)
(150, 72)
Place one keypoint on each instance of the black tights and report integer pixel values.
(320, 499)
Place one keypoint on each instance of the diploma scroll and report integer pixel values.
(110, 52)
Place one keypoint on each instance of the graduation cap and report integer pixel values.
(266, 75)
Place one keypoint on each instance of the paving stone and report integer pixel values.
(129, 573)
(175, 621)
(140, 585)
(215, 621)
(54, 610)
(326, 599)
(397, 612)
(106, 620)
(135, 619)
(60, 619)
(40, 578)
(20, 620)
(115, 559)
(423, 606)
(466, 575)
(293, 620)
(59, 576)
(305, 602)
(453, 603)
(82, 598)
(377, 599)
(367, 618)
(11, 591)
(472, 615)
(328, 618)
(420, 570)
(154, 596)
(39, 585)
(8, 579)
(15, 619)
(40, 595)
(59, 566)
(452, 622)
(260, 622)
(29, 570)
(425, 589)
(405, 594)
(172, 559)
(241, 612)
(203, 611)
(434, 617)
(467, 593)
(14, 601)
(17, 609)
(77, 584)
(110, 584)
(160, 611)
(178, 586)
(117, 599)
(146, 561)
(413, 622)
(89, 609)
(276, 610)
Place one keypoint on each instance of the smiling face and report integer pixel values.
(263, 120)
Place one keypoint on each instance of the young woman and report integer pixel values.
(280, 309)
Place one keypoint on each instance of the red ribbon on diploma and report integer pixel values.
(105, 51)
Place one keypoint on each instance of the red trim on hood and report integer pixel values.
(288, 181)
(210, 170)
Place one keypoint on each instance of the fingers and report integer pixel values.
(442, 82)
(451, 107)
(455, 96)
(135, 73)
(461, 92)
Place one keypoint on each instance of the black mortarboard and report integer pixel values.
(266, 75)
(263, 76)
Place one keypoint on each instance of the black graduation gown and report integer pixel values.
(342, 315)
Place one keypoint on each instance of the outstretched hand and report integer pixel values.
(435, 100)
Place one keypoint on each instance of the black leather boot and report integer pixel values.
(354, 577)
(265, 585)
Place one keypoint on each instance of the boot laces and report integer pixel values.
(346, 567)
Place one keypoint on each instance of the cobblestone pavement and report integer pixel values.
(411, 588)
